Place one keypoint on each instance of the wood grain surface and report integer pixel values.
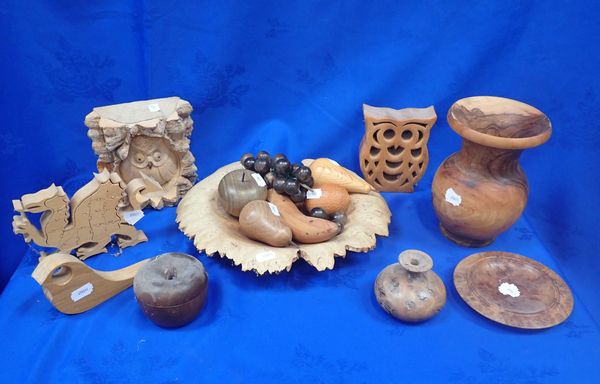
(543, 299)
(216, 232)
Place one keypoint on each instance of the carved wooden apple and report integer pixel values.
(238, 188)
(171, 289)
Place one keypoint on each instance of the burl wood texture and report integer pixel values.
(409, 290)
(480, 191)
(543, 299)
(148, 143)
(73, 287)
(216, 232)
(86, 223)
(393, 152)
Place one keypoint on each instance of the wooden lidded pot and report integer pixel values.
(409, 290)
(481, 190)
(171, 289)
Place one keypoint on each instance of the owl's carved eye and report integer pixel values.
(157, 156)
(139, 157)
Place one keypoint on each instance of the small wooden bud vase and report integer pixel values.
(148, 144)
(393, 152)
(86, 223)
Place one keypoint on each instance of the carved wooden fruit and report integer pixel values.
(305, 229)
(325, 171)
(332, 198)
(409, 290)
(480, 191)
(259, 221)
(513, 290)
(393, 152)
(73, 287)
(85, 223)
(238, 188)
(171, 289)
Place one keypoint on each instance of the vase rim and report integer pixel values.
(499, 122)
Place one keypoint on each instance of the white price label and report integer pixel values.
(314, 193)
(274, 209)
(81, 292)
(452, 197)
(265, 256)
(133, 217)
(153, 107)
(334, 162)
(509, 289)
(259, 179)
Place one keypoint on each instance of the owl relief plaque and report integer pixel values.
(393, 152)
(148, 144)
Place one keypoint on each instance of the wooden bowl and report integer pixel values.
(513, 290)
(203, 219)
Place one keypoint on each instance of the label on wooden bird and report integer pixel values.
(314, 193)
(509, 289)
(259, 180)
(265, 256)
(452, 197)
(334, 162)
(153, 107)
(81, 292)
(274, 209)
(133, 217)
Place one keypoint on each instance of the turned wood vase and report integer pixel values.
(480, 191)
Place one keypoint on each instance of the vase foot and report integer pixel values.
(464, 241)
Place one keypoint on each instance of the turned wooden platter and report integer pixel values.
(513, 290)
(202, 218)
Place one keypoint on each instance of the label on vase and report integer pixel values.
(509, 289)
(452, 197)
(314, 193)
(153, 107)
(265, 256)
(259, 179)
(274, 209)
(81, 292)
(133, 217)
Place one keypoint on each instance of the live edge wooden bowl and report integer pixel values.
(202, 218)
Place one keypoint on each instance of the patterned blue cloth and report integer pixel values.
(291, 77)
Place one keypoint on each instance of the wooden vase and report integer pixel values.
(480, 191)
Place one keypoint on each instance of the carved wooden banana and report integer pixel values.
(305, 229)
(325, 171)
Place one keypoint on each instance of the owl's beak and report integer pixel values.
(149, 165)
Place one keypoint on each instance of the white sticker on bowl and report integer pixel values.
(153, 107)
(133, 217)
(452, 197)
(81, 292)
(314, 193)
(274, 209)
(265, 256)
(259, 179)
(509, 289)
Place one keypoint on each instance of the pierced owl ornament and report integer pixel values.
(148, 144)
(393, 152)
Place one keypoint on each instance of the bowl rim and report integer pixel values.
(489, 140)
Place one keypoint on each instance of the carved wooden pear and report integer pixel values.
(326, 171)
(261, 221)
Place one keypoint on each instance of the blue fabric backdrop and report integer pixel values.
(291, 77)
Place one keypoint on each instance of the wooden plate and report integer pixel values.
(513, 290)
(201, 218)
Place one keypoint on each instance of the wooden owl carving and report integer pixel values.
(393, 152)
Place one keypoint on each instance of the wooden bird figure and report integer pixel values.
(73, 287)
